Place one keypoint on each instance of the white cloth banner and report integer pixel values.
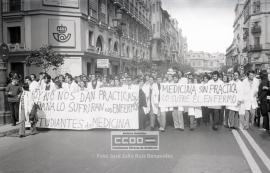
(111, 108)
(174, 95)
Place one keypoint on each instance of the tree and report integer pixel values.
(45, 58)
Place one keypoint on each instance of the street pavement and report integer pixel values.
(199, 151)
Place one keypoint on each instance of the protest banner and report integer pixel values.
(173, 95)
(111, 108)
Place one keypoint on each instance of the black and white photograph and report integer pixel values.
(134, 86)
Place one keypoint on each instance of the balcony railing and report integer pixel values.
(256, 30)
(106, 52)
(16, 47)
(12, 6)
(256, 48)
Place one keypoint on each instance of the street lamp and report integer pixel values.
(118, 25)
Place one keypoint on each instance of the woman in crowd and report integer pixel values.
(205, 111)
(263, 93)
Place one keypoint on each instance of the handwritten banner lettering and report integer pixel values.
(112, 108)
(173, 95)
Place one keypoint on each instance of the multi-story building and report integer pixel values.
(236, 53)
(167, 43)
(1, 30)
(82, 30)
(205, 62)
(251, 44)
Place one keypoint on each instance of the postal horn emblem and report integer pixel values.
(61, 35)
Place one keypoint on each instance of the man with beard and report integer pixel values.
(215, 110)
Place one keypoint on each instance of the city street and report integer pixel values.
(202, 150)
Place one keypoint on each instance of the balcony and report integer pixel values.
(12, 6)
(256, 29)
(16, 47)
(106, 52)
(255, 48)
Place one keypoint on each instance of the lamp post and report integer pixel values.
(4, 52)
(118, 25)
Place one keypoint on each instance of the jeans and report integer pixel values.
(215, 113)
(14, 108)
(205, 115)
(234, 119)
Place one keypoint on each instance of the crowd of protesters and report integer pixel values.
(253, 103)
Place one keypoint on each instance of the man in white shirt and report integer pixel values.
(70, 84)
(250, 92)
(164, 110)
(234, 110)
(215, 110)
(48, 84)
(34, 85)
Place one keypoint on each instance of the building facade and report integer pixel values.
(205, 62)
(251, 44)
(1, 30)
(167, 42)
(82, 30)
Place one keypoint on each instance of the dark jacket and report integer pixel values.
(262, 97)
(15, 91)
(142, 99)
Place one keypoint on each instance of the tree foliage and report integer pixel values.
(46, 58)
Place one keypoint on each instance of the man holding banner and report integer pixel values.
(215, 110)
(177, 113)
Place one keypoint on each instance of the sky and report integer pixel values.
(207, 24)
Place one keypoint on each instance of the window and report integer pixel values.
(256, 41)
(115, 47)
(110, 43)
(90, 38)
(256, 6)
(154, 26)
(14, 34)
(14, 5)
